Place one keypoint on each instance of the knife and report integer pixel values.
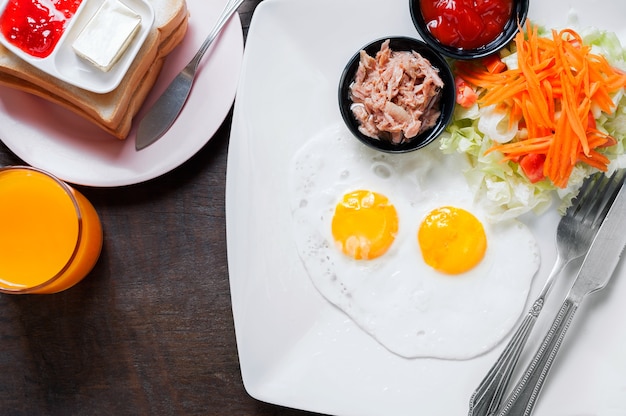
(594, 274)
(168, 106)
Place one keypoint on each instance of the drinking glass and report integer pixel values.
(50, 234)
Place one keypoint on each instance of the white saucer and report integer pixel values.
(54, 139)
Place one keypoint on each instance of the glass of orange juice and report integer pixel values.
(50, 234)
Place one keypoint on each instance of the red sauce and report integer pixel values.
(35, 26)
(466, 24)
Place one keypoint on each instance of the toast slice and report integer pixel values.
(113, 111)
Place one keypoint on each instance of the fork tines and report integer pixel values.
(605, 188)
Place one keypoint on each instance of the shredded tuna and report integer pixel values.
(395, 94)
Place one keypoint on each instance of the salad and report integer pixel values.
(539, 117)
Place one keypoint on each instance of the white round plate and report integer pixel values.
(52, 138)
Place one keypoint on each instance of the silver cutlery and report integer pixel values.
(575, 233)
(597, 269)
(168, 106)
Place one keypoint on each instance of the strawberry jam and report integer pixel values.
(35, 26)
(466, 24)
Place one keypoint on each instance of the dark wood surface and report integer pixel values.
(150, 330)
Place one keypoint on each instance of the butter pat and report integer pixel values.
(107, 35)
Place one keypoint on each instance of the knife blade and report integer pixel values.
(162, 115)
(165, 111)
(594, 274)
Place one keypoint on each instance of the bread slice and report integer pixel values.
(113, 111)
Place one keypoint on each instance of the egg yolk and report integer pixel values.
(452, 240)
(364, 225)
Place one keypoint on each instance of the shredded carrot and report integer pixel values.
(553, 92)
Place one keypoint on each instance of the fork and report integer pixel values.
(575, 232)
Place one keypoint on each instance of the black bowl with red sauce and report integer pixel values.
(468, 29)
(446, 94)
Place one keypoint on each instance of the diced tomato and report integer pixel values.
(494, 64)
(591, 121)
(465, 94)
(532, 165)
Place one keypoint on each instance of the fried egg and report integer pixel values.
(397, 242)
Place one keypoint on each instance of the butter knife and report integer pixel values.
(594, 274)
(168, 106)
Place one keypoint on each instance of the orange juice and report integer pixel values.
(50, 235)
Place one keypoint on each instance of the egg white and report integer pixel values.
(403, 303)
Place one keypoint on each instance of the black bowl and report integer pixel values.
(518, 17)
(446, 103)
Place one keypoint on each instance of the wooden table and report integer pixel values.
(150, 330)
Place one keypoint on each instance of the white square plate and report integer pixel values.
(295, 348)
